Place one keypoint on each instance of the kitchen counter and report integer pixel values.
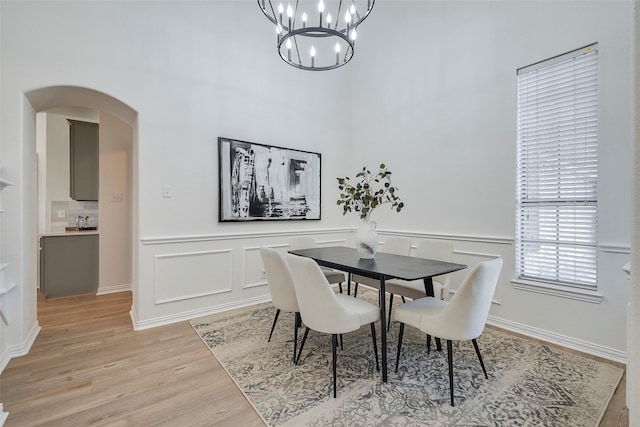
(68, 233)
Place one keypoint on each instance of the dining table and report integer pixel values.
(382, 267)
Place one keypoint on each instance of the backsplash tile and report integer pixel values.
(73, 209)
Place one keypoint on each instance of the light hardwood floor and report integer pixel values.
(89, 368)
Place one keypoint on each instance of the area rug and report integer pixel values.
(529, 384)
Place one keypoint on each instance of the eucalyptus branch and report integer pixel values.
(369, 192)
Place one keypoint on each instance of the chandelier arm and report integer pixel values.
(295, 16)
(295, 40)
(335, 27)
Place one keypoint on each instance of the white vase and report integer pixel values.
(367, 240)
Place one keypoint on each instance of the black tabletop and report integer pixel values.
(382, 265)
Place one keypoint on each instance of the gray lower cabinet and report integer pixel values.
(69, 265)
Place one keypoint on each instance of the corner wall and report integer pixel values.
(437, 103)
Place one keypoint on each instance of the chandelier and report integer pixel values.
(313, 36)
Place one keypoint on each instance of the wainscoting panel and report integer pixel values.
(253, 272)
(187, 275)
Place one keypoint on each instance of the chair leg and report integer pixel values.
(341, 343)
(296, 324)
(355, 290)
(304, 339)
(390, 307)
(475, 345)
(399, 344)
(334, 344)
(450, 362)
(375, 345)
(428, 343)
(340, 285)
(403, 300)
(274, 324)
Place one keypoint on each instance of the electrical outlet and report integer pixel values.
(62, 213)
(264, 274)
(166, 191)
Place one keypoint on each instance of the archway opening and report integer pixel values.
(115, 114)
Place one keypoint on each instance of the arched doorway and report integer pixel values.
(58, 98)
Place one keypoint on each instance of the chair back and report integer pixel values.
(396, 245)
(440, 250)
(283, 294)
(466, 314)
(302, 242)
(318, 303)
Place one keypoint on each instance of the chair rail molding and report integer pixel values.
(159, 240)
(499, 240)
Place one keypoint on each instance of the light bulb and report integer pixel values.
(289, 11)
(313, 51)
(288, 43)
(321, 6)
(347, 17)
(328, 18)
(280, 8)
(352, 9)
(337, 47)
(304, 17)
(353, 34)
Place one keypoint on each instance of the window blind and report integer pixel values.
(558, 169)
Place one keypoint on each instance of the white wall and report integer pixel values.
(116, 233)
(441, 102)
(192, 75)
(435, 97)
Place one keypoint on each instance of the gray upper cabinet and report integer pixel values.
(84, 160)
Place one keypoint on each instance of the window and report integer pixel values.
(556, 240)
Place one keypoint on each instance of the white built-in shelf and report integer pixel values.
(3, 183)
(4, 290)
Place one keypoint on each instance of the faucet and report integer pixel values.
(81, 222)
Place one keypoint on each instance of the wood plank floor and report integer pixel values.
(89, 368)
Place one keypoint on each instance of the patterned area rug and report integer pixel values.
(529, 384)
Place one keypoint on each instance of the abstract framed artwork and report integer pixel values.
(265, 182)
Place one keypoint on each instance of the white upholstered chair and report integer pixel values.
(439, 250)
(322, 310)
(392, 245)
(283, 294)
(306, 242)
(463, 318)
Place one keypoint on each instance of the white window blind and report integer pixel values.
(558, 169)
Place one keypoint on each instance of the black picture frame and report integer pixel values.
(259, 182)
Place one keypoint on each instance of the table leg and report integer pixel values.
(383, 329)
(428, 290)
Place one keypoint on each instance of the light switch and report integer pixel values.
(116, 197)
(62, 213)
(166, 191)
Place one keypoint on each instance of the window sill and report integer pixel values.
(593, 297)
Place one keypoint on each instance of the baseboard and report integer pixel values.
(20, 349)
(139, 325)
(4, 360)
(562, 340)
(103, 290)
